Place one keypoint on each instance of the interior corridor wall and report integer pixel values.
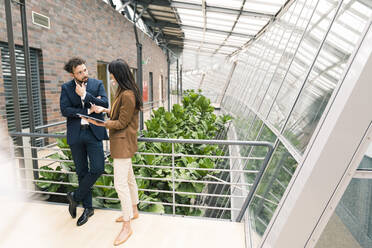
(91, 29)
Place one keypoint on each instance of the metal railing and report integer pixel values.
(199, 182)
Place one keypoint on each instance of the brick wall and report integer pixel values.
(90, 29)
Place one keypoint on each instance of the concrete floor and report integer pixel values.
(37, 224)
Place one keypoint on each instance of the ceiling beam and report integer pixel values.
(203, 51)
(153, 19)
(173, 37)
(232, 29)
(163, 24)
(216, 31)
(208, 43)
(195, 6)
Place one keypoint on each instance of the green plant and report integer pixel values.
(194, 119)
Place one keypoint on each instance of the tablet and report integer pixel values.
(90, 117)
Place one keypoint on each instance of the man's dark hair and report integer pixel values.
(73, 63)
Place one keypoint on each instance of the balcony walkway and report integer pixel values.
(37, 224)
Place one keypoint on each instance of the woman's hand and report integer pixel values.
(100, 124)
(97, 109)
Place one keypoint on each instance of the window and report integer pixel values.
(103, 74)
(161, 88)
(22, 87)
(151, 90)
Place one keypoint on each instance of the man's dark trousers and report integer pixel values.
(87, 147)
(85, 140)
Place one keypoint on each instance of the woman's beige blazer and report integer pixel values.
(123, 126)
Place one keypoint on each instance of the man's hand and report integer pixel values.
(80, 90)
(100, 124)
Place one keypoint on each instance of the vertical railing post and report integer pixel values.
(139, 62)
(13, 68)
(30, 101)
(173, 183)
(178, 82)
(169, 84)
(181, 90)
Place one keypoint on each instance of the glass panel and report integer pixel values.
(219, 27)
(248, 31)
(268, 7)
(188, 12)
(220, 16)
(264, 134)
(234, 4)
(222, 21)
(297, 71)
(282, 34)
(269, 192)
(194, 23)
(327, 72)
(295, 26)
(191, 18)
(214, 80)
(351, 224)
(366, 163)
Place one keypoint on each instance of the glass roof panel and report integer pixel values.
(209, 46)
(253, 21)
(194, 32)
(231, 4)
(235, 43)
(211, 35)
(234, 38)
(188, 12)
(221, 16)
(269, 7)
(189, 22)
(246, 31)
(220, 22)
(188, 1)
(192, 18)
(227, 49)
(219, 27)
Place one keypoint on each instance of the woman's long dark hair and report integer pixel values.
(120, 69)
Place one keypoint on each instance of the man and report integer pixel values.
(77, 97)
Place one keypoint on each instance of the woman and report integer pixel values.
(123, 126)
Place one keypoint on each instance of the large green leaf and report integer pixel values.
(156, 208)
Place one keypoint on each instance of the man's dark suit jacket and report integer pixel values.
(70, 104)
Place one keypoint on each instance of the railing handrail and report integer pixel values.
(193, 141)
(50, 125)
(160, 140)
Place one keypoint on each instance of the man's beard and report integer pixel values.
(81, 82)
